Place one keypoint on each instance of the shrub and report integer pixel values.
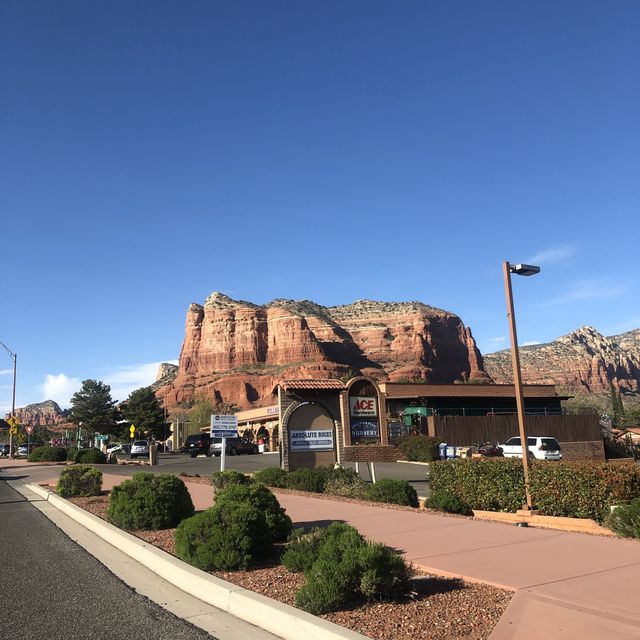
(302, 550)
(81, 480)
(258, 496)
(580, 489)
(226, 537)
(306, 480)
(48, 454)
(272, 477)
(149, 501)
(90, 456)
(446, 502)
(222, 479)
(625, 519)
(393, 492)
(347, 569)
(72, 452)
(346, 483)
(419, 448)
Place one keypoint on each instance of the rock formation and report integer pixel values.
(237, 351)
(584, 361)
(46, 413)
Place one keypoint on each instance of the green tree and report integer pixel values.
(94, 408)
(143, 410)
(200, 413)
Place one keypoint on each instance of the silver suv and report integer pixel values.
(540, 448)
(139, 448)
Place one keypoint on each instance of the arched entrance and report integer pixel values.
(311, 437)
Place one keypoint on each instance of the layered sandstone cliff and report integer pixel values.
(47, 413)
(237, 351)
(583, 361)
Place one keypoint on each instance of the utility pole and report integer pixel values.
(13, 357)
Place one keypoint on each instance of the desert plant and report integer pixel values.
(149, 501)
(222, 479)
(80, 480)
(419, 448)
(272, 477)
(90, 456)
(450, 503)
(302, 550)
(625, 519)
(48, 454)
(345, 482)
(393, 492)
(226, 537)
(258, 496)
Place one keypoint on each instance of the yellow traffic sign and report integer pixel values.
(132, 430)
(12, 421)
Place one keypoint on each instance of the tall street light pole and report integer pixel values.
(521, 270)
(14, 358)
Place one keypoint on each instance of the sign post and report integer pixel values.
(224, 426)
(132, 432)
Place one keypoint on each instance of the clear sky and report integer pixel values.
(153, 152)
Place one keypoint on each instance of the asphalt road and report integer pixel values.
(52, 589)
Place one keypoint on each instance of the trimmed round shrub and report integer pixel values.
(149, 501)
(346, 483)
(446, 502)
(72, 452)
(79, 480)
(419, 448)
(222, 479)
(625, 519)
(48, 454)
(258, 496)
(385, 574)
(302, 550)
(272, 477)
(226, 537)
(393, 492)
(90, 456)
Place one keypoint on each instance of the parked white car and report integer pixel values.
(540, 447)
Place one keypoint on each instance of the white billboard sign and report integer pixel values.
(363, 407)
(224, 426)
(305, 440)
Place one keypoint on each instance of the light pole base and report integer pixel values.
(527, 513)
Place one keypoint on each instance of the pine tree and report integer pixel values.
(143, 410)
(93, 407)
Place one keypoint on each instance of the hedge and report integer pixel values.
(79, 480)
(91, 456)
(48, 454)
(581, 489)
(419, 448)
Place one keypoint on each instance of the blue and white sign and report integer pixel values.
(224, 426)
(364, 429)
(304, 440)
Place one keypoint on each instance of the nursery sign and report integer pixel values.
(306, 440)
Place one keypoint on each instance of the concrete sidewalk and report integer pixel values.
(567, 585)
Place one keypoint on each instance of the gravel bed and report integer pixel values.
(439, 609)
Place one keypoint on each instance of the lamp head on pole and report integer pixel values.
(524, 269)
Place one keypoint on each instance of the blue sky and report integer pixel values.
(154, 152)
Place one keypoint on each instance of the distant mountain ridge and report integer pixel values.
(47, 413)
(584, 361)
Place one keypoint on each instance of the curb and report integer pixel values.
(275, 617)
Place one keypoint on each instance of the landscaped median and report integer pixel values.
(245, 539)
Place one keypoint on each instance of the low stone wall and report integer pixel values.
(589, 450)
(371, 453)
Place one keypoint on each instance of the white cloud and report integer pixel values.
(60, 388)
(491, 344)
(128, 378)
(556, 254)
(6, 372)
(597, 289)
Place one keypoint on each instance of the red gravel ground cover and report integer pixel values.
(439, 609)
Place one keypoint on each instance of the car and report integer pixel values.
(4, 449)
(540, 448)
(197, 444)
(26, 448)
(235, 446)
(139, 448)
(112, 448)
(125, 448)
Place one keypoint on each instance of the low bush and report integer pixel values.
(272, 477)
(419, 448)
(72, 452)
(226, 537)
(347, 569)
(625, 519)
(393, 492)
(48, 454)
(302, 550)
(446, 502)
(80, 480)
(345, 482)
(90, 456)
(149, 501)
(223, 479)
(580, 489)
(258, 496)
(306, 480)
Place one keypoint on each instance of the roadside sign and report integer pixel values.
(224, 426)
(29, 430)
(132, 430)
(12, 421)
